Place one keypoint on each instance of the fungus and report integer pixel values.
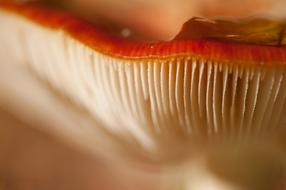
(215, 80)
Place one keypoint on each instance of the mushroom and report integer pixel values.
(216, 87)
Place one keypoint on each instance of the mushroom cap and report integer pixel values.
(160, 97)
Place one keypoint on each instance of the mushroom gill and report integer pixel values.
(207, 83)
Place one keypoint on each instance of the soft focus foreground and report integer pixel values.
(32, 160)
